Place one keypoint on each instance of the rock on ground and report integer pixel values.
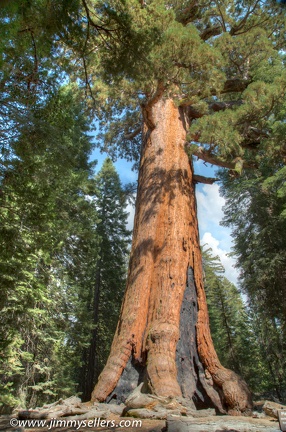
(270, 408)
(220, 424)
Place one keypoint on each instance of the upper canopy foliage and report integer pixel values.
(224, 60)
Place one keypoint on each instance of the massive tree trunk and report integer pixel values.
(163, 335)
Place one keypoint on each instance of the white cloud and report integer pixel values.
(130, 220)
(210, 204)
(228, 262)
(210, 214)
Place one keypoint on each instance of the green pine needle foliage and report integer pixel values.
(255, 210)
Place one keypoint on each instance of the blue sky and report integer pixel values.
(210, 212)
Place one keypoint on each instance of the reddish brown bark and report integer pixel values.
(165, 246)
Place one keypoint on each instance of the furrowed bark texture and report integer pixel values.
(165, 279)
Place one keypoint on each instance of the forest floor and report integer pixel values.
(73, 415)
(179, 424)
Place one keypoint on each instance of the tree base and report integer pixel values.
(196, 385)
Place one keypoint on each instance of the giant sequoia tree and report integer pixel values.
(173, 80)
(206, 77)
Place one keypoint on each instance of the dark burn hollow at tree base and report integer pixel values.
(191, 376)
(131, 377)
(163, 332)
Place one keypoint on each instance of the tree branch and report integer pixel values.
(222, 21)
(147, 107)
(210, 32)
(87, 82)
(188, 14)
(234, 85)
(213, 160)
(90, 20)
(131, 135)
(205, 180)
(214, 106)
(235, 29)
(36, 61)
(221, 106)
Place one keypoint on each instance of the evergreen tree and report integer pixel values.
(47, 231)
(233, 328)
(255, 207)
(45, 220)
(270, 380)
(109, 273)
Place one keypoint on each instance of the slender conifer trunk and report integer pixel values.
(90, 356)
(163, 331)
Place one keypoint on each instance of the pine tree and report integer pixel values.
(47, 223)
(45, 218)
(255, 206)
(109, 273)
(232, 326)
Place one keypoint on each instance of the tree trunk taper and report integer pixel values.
(163, 336)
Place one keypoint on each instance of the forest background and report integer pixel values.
(65, 245)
